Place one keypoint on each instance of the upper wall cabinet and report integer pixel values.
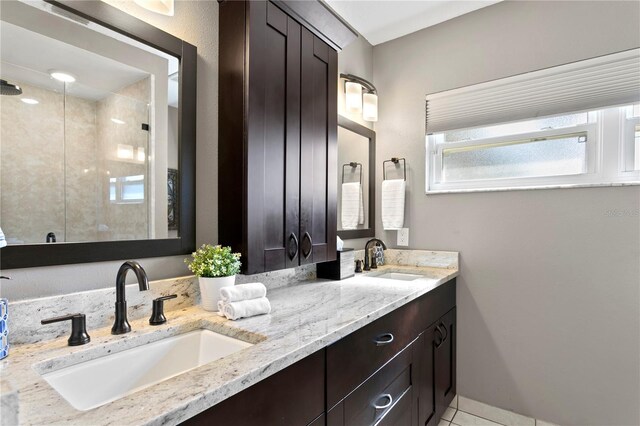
(277, 138)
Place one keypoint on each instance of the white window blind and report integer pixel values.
(590, 84)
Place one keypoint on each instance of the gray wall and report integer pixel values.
(197, 23)
(356, 59)
(548, 298)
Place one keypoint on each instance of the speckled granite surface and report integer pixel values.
(98, 305)
(305, 318)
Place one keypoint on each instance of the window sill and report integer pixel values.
(530, 188)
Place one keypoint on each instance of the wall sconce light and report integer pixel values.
(163, 7)
(357, 102)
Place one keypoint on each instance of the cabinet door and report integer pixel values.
(318, 167)
(273, 154)
(445, 361)
(291, 397)
(427, 383)
(437, 369)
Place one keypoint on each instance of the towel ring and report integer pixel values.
(353, 165)
(394, 160)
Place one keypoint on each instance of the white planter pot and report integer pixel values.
(210, 290)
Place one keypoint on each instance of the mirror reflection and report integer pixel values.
(353, 180)
(89, 131)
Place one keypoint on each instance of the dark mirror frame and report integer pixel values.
(26, 256)
(345, 123)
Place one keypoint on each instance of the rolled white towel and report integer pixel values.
(247, 308)
(243, 292)
(221, 308)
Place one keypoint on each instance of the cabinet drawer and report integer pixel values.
(355, 358)
(400, 413)
(384, 393)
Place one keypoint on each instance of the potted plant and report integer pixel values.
(215, 267)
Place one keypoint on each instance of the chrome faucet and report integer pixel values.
(367, 265)
(121, 324)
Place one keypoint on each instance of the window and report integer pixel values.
(483, 137)
(126, 189)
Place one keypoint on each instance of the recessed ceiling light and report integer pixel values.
(117, 121)
(29, 101)
(65, 77)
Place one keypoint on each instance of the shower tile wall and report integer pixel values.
(35, 143)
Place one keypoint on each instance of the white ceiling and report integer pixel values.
(35, 38)
(383, 20)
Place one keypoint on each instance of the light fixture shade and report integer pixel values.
(370, 107)
(163, 7)
(353, 97)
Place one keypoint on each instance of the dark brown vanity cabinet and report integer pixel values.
(294, 396)
(399, 370)
(277, 138)
(437, 349)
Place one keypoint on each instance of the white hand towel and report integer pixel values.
(3, 241)
(351, 204)
(361, 207)
(221, 308)
(247, 308)
(242, 292)
(393, 203)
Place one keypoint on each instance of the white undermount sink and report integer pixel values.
(399, 276)
(94, 383)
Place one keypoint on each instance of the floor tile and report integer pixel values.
(495, 414)
(443, 422)
(465, 419)
(454, 402)
(449, 413)
(543, 423)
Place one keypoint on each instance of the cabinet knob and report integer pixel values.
(383, 339)
(386, 397)
(293, 251)
(307, 245)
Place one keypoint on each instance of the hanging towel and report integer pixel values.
(3, 241)
(242, 292)
(361, 207)
(393, 203)
(351, 204)
(247, 308)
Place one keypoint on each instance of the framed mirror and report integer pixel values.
(97, 118)
(356, 180)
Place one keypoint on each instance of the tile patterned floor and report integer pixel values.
(455, 416)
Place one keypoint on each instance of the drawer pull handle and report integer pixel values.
(441, 335)
(383, 339)
(446, 332)
(389, 399)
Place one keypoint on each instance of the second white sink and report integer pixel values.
(93, 383)
(399, 276)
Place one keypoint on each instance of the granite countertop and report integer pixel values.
(305, 318)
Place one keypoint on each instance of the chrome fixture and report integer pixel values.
(368, 266)
(51, 237)
(121, 324)
(356, 101)
(9, 89)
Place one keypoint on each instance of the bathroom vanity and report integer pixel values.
(398, 370)
(330, 353)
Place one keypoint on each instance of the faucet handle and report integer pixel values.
(79, 334)
(157, 314)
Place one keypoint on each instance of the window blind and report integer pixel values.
(590, 84)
